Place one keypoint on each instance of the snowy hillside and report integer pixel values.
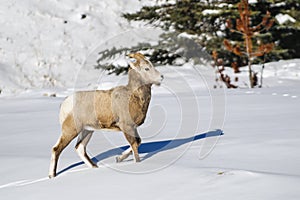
(197, 142)
(44, 43)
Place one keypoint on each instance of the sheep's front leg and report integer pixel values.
(134, 140)
(124, 155)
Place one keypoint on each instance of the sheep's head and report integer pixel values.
(145, 69)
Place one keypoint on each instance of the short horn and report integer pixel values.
(137, 56)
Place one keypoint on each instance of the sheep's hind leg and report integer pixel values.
(66, 137)
(82, 141)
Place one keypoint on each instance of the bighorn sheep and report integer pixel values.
(122, 108)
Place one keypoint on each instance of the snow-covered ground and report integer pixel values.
(256, 158)
(253, 155)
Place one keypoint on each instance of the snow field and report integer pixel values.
(43, 46)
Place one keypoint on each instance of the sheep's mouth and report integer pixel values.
(157, 83)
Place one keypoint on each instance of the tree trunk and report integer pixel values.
(262, 70)
(250, 74)
(261, 75)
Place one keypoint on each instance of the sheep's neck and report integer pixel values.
(138, 88)
(139, 103)
(140, 98)
(134, 81)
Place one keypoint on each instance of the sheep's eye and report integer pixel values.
(147, 69)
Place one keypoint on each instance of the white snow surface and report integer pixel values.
(284, 18)
(210, 12)
(257, 157)
(45, 43)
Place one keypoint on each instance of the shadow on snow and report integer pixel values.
(151, 148)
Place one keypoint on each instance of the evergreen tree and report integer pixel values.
(207, 21)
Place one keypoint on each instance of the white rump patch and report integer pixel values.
(66, 108)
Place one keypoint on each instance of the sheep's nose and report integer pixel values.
(162, 77)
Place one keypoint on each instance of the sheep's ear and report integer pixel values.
(133, 61)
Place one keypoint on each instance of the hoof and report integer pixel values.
(118, 159)
(95, 166)
(51, 176)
